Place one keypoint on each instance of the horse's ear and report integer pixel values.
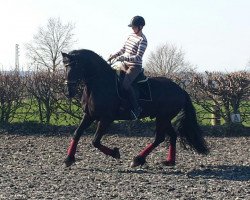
(64, 55)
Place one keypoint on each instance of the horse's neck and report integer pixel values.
(105, 79)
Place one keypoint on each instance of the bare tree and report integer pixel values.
(166, 60)
(42, 85)
(45, 49)
(223, 93)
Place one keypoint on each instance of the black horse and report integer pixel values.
(102, 103)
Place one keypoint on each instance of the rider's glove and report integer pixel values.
(122, 58)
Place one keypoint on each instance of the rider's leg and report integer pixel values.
(131, 74)
(135, 108)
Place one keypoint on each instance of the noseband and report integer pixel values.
(70, 82)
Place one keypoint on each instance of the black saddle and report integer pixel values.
(141, 86)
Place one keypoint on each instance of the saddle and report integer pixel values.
(141, 86)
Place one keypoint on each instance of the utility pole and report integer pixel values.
(17, 57)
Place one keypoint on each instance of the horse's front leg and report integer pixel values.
(85, 123)
(100, 131)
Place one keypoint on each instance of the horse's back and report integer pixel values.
(162, 85)
(168, 98)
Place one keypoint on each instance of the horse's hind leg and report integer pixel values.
(101, 129)
(161, 127)
(85, 123)
(170, 161)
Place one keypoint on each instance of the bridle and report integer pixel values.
(70, 82)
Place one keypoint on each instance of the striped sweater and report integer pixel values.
(133, 49)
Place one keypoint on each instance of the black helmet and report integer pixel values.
(137, 21)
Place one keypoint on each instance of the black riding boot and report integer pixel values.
(135, 108)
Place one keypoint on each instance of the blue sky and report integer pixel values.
(214, 34)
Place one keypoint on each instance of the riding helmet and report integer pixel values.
(137, 21)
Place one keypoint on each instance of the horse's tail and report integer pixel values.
(188, 128)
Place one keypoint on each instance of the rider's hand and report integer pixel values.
(121, 58)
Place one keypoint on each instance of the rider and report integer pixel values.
(131, 54)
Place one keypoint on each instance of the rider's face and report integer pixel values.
(135, 29)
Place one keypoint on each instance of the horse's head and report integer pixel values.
(84, 65)
(72, 73)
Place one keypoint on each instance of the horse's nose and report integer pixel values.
(66, 91)
(70, 91)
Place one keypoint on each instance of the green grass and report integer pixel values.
(30, 113)
(26, 114)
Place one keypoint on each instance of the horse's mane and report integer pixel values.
(91, 55)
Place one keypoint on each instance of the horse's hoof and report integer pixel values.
(69, 160)
(138, 161)
(116, 153)
(168, 163)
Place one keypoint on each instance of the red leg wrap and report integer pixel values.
(147, 150)
(171, 153)
(72, 148)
